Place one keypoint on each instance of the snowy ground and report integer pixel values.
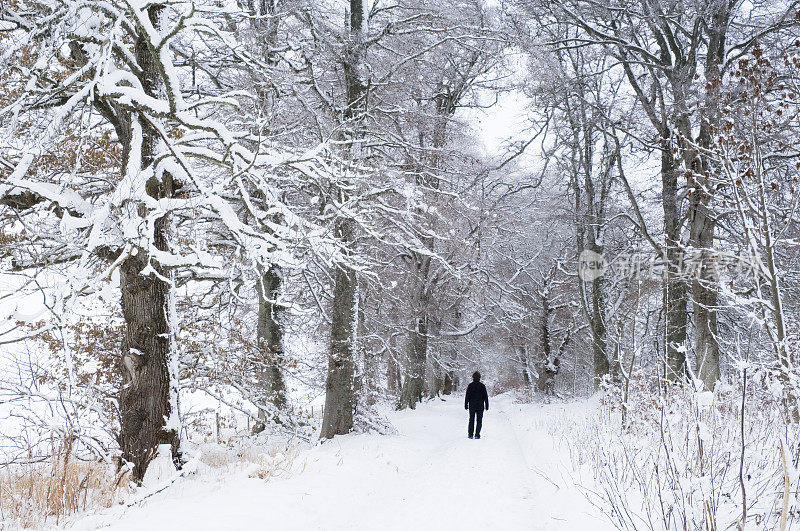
(428, 476)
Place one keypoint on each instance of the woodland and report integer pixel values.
(290, 220)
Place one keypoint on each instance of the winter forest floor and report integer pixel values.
(426, 476)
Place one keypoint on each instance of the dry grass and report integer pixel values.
(32, 495)
(270, 458)
(276, 463)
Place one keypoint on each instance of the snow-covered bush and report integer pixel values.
(675, 464)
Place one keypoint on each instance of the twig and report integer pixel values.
(785, 509)
(741, 455)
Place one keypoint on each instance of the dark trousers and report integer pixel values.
(472, 427)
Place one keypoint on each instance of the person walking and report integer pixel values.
(476, 399)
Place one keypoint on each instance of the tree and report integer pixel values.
(662, 48)
(428, 274)
(175, 160)
(340, 385)
(579, 100)
(754, 150)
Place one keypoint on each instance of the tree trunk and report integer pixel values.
(339, 386)
(599, 332)
(340, 397)
(436, 385)
(523, 359)
(269, 334)
(450, 381)
(701, 220)
(674, 283)
(370, 384)
(144, 402)
(589, 223)
(148, 399)
(549, 365)
(448, 386)
(704, 295)
(265, 23)
(394, 380)
(674, 294)
(414, 384)
(393, 377)
(269, 328)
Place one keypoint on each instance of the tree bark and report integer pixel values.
(704, 295)
(265, 23)
(414, 383)
(436, 385)
(674, 285)
(448, 386)
(269, 334)
(549, 364)
(701, 221)
(599, 340)
(339, 386)
(368, 387)
(144, 401)
(340, 397)
(148, 398)
(523, 359)
(679, 70)
(393, 377)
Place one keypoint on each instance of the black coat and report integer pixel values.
(476, 397)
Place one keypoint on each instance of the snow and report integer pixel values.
(161, 468)
(427, 476)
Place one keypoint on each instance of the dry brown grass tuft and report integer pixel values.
(276, 463)
(32, 495)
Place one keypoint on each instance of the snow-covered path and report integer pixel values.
(428, 476)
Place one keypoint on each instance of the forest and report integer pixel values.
(235, 234)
